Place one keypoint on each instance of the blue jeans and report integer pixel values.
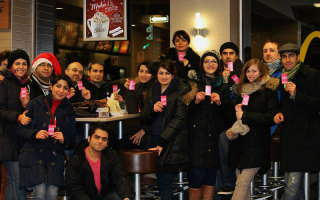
(45, 192)
(228, 174)
(12, 186)
(164, 180)
(294, 186)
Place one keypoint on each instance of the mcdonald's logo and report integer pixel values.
(306, 43)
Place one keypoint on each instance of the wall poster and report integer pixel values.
(104, 20)
(4, 14)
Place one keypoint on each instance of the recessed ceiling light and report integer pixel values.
(59, 8)
(316, 5)
(133, 25)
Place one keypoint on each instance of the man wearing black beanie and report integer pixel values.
(229, 54)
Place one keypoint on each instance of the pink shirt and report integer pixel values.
(95, 166)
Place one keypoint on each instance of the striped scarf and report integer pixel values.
(292, 72)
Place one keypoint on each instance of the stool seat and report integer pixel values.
(138, 161)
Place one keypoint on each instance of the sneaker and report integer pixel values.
(225, 190)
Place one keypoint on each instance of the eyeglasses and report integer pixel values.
(210, 62)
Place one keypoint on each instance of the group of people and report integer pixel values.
(200, 114)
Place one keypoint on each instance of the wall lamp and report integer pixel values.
(199, 33)
(199, 27)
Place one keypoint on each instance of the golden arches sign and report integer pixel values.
(306, 43)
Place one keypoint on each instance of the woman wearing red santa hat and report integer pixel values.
(42, 74)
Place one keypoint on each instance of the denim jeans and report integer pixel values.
(164, 180)
(294, 186)
(228, 174)
(12, 187)
(45, 192)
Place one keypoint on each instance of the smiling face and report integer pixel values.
(164, 77)
(96, 73)
(270, 52)
(20, 67)
(144, 74)
(289, 60)
(181, 44)
(253, 73)
(99, 140)
(210, 65)
(44, 70)
(74, 71)
(60, 90)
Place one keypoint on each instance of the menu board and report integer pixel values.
(104, 20)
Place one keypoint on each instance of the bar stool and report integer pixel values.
(275, 158)
(138, 161)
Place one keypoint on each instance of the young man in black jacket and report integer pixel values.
(299, 121)
(95, 171)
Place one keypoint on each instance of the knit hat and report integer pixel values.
(289, 47)
(16, 54)
(213, 53)
(48, 58)
(229, 45)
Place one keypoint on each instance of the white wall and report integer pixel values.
(216, 15)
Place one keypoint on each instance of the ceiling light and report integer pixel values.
(59, 8)
(316, 5)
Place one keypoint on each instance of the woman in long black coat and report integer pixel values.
(206, 119)
(165, 110)
(41, 159)
(249, 152)
(12, 105)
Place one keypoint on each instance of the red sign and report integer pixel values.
(105, 20)
(4, 14)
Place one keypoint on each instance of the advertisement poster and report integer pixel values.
(104, 20)
(4, 14)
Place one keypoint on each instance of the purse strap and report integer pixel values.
(49, 110)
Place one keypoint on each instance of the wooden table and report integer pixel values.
(88, 120)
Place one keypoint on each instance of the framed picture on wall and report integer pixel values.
(104, 20)
(5, 14)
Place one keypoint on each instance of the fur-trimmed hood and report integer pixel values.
(187, 98)
(273, 83)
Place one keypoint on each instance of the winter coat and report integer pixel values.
(191, 56)
(42, 161)
(174, 134)
(80, 179)
(300, 131)
(205, 122)
(135, 98)
(253, 149)
(10, 109)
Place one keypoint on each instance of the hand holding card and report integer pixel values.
(80, 85)
(132, 85)
(164, 100)
(208, 90)
(235, 78)
(230, 66)
(181, 56)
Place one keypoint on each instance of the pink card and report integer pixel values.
(132, 85)
(284, 78)
(115, 88)
(68, 95)
(51, 129)
(181, 56)
(23, 92)
(235, 78)
(230, 66)
(80, 85)
(245, 100)
(208, 90)
(164, 100)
